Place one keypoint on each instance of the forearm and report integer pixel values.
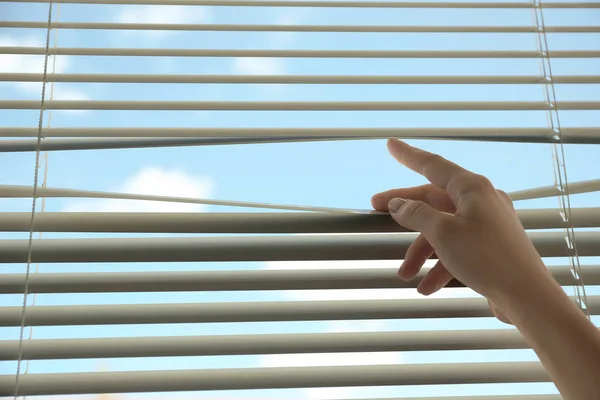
(566, 342)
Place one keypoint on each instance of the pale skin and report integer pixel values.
(475, 233)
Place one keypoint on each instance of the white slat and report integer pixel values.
(550, 191)
(164, 52)
(297, 105)
(295, 28)
(298, 79)
(272, 378)
(335, 4)
(379, 133)
(254, 312)
(255, 248)
(196, 281)
(178, 346)
(256, 222)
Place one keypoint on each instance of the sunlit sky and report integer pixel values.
(334, 174)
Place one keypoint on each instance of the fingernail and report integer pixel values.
(425, 291)
(429, 290)
(395, 204)
(402, 274)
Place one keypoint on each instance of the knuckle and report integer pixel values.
(410, 210)
(431, 161)
(481, 184)
(413, 208)
(504, 196)
(433, 158)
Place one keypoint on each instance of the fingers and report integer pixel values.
(416, 255)
(439, 171)
(419, 216)
(436, 169)
(434, 196)
(436, 278)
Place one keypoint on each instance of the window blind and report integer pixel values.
(157, 289)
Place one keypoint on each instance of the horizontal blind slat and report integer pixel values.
(16, 191)
(10, 146)
(296, 79)
(271, 378)
(21, 191)
(180, 346)
(295, 28)
(316, 3)
(217, 135)
(138, 52)
(254, 311)
(374, 132)
(255, 222)
(255, 248)
(297, 105)
(326, 279)
(591, 185)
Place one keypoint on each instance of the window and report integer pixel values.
(279, 102)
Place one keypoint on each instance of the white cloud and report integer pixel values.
(23, 63)
(285, 39)
(288, 19)
(68, 94)
(358, 294)
(28, 63)
(258, 66)
(163, 15)
(152, 181)
(261, 66)
(275, 40)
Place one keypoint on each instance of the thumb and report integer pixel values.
(416, 215)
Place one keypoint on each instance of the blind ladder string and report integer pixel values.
(558, 155)
(33, 203)
(45, 180)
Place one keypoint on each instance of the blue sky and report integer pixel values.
(343, 174)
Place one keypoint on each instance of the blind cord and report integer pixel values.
(558, 155)
(33, 203)
(45, 180)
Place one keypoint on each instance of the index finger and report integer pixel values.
(435, 168)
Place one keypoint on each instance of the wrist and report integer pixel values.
(566, 342)
(536, 300)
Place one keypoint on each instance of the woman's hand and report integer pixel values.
(471, 227)
(478, 238)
